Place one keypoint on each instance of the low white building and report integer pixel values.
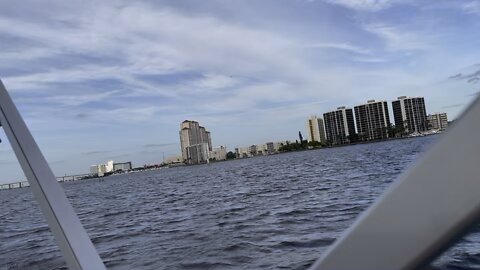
(99, 169)
(268, 148)
(248, 151)
(110, 167)
(218, 153)
(261, 149)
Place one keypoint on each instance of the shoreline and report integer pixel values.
(17, 185)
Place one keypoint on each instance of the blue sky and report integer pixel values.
(100, 80)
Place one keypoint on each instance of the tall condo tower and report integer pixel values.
(339, 126)
(195, 142)
(316, 129)
(410, 113)
(372, 120)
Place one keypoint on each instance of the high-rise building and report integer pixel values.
(191, 134)
(437, 121)
(198, 153)
(339, 126)
(316, 129)
(410, 114)
(209, 140)
(372, 120)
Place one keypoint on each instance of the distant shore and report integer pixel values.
(22, 184)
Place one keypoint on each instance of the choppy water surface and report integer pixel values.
(275, 212)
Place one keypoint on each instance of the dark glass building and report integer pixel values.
(410, 113)
(339, 126)
(373, 120)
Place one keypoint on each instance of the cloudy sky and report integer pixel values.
(100, 80)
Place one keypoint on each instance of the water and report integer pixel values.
(275, 212)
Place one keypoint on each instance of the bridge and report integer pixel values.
(66, 178)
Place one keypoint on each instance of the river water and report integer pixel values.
(273, 212)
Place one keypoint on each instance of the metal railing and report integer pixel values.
(74, 243)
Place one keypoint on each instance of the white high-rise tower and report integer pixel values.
(316, 129)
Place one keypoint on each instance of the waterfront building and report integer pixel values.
(261, 149)
(339, 126)
(373, 120)
(205, 137)
(243, 152)
(437, 121)
(410, 114)
(252, 149)
(316, 129)
(277, 145)
(219, 153)
(240, 152)
(208, 140)
(109, 166)
(98, 170)
(197, 153)
(191, 134)
(122, 166)
(268, 148)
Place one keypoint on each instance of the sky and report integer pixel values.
(113, 80)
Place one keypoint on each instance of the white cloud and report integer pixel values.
(262, 66)
(364, 5)
(369, 60)
(341, 46)
(156, 42)
(397, 39)
(472, 7)
(216, 81)
(77, 100)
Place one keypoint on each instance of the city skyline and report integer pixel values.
(370, 121)
(195, 138)
(251, 71)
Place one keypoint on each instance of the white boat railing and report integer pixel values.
(71, 237)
